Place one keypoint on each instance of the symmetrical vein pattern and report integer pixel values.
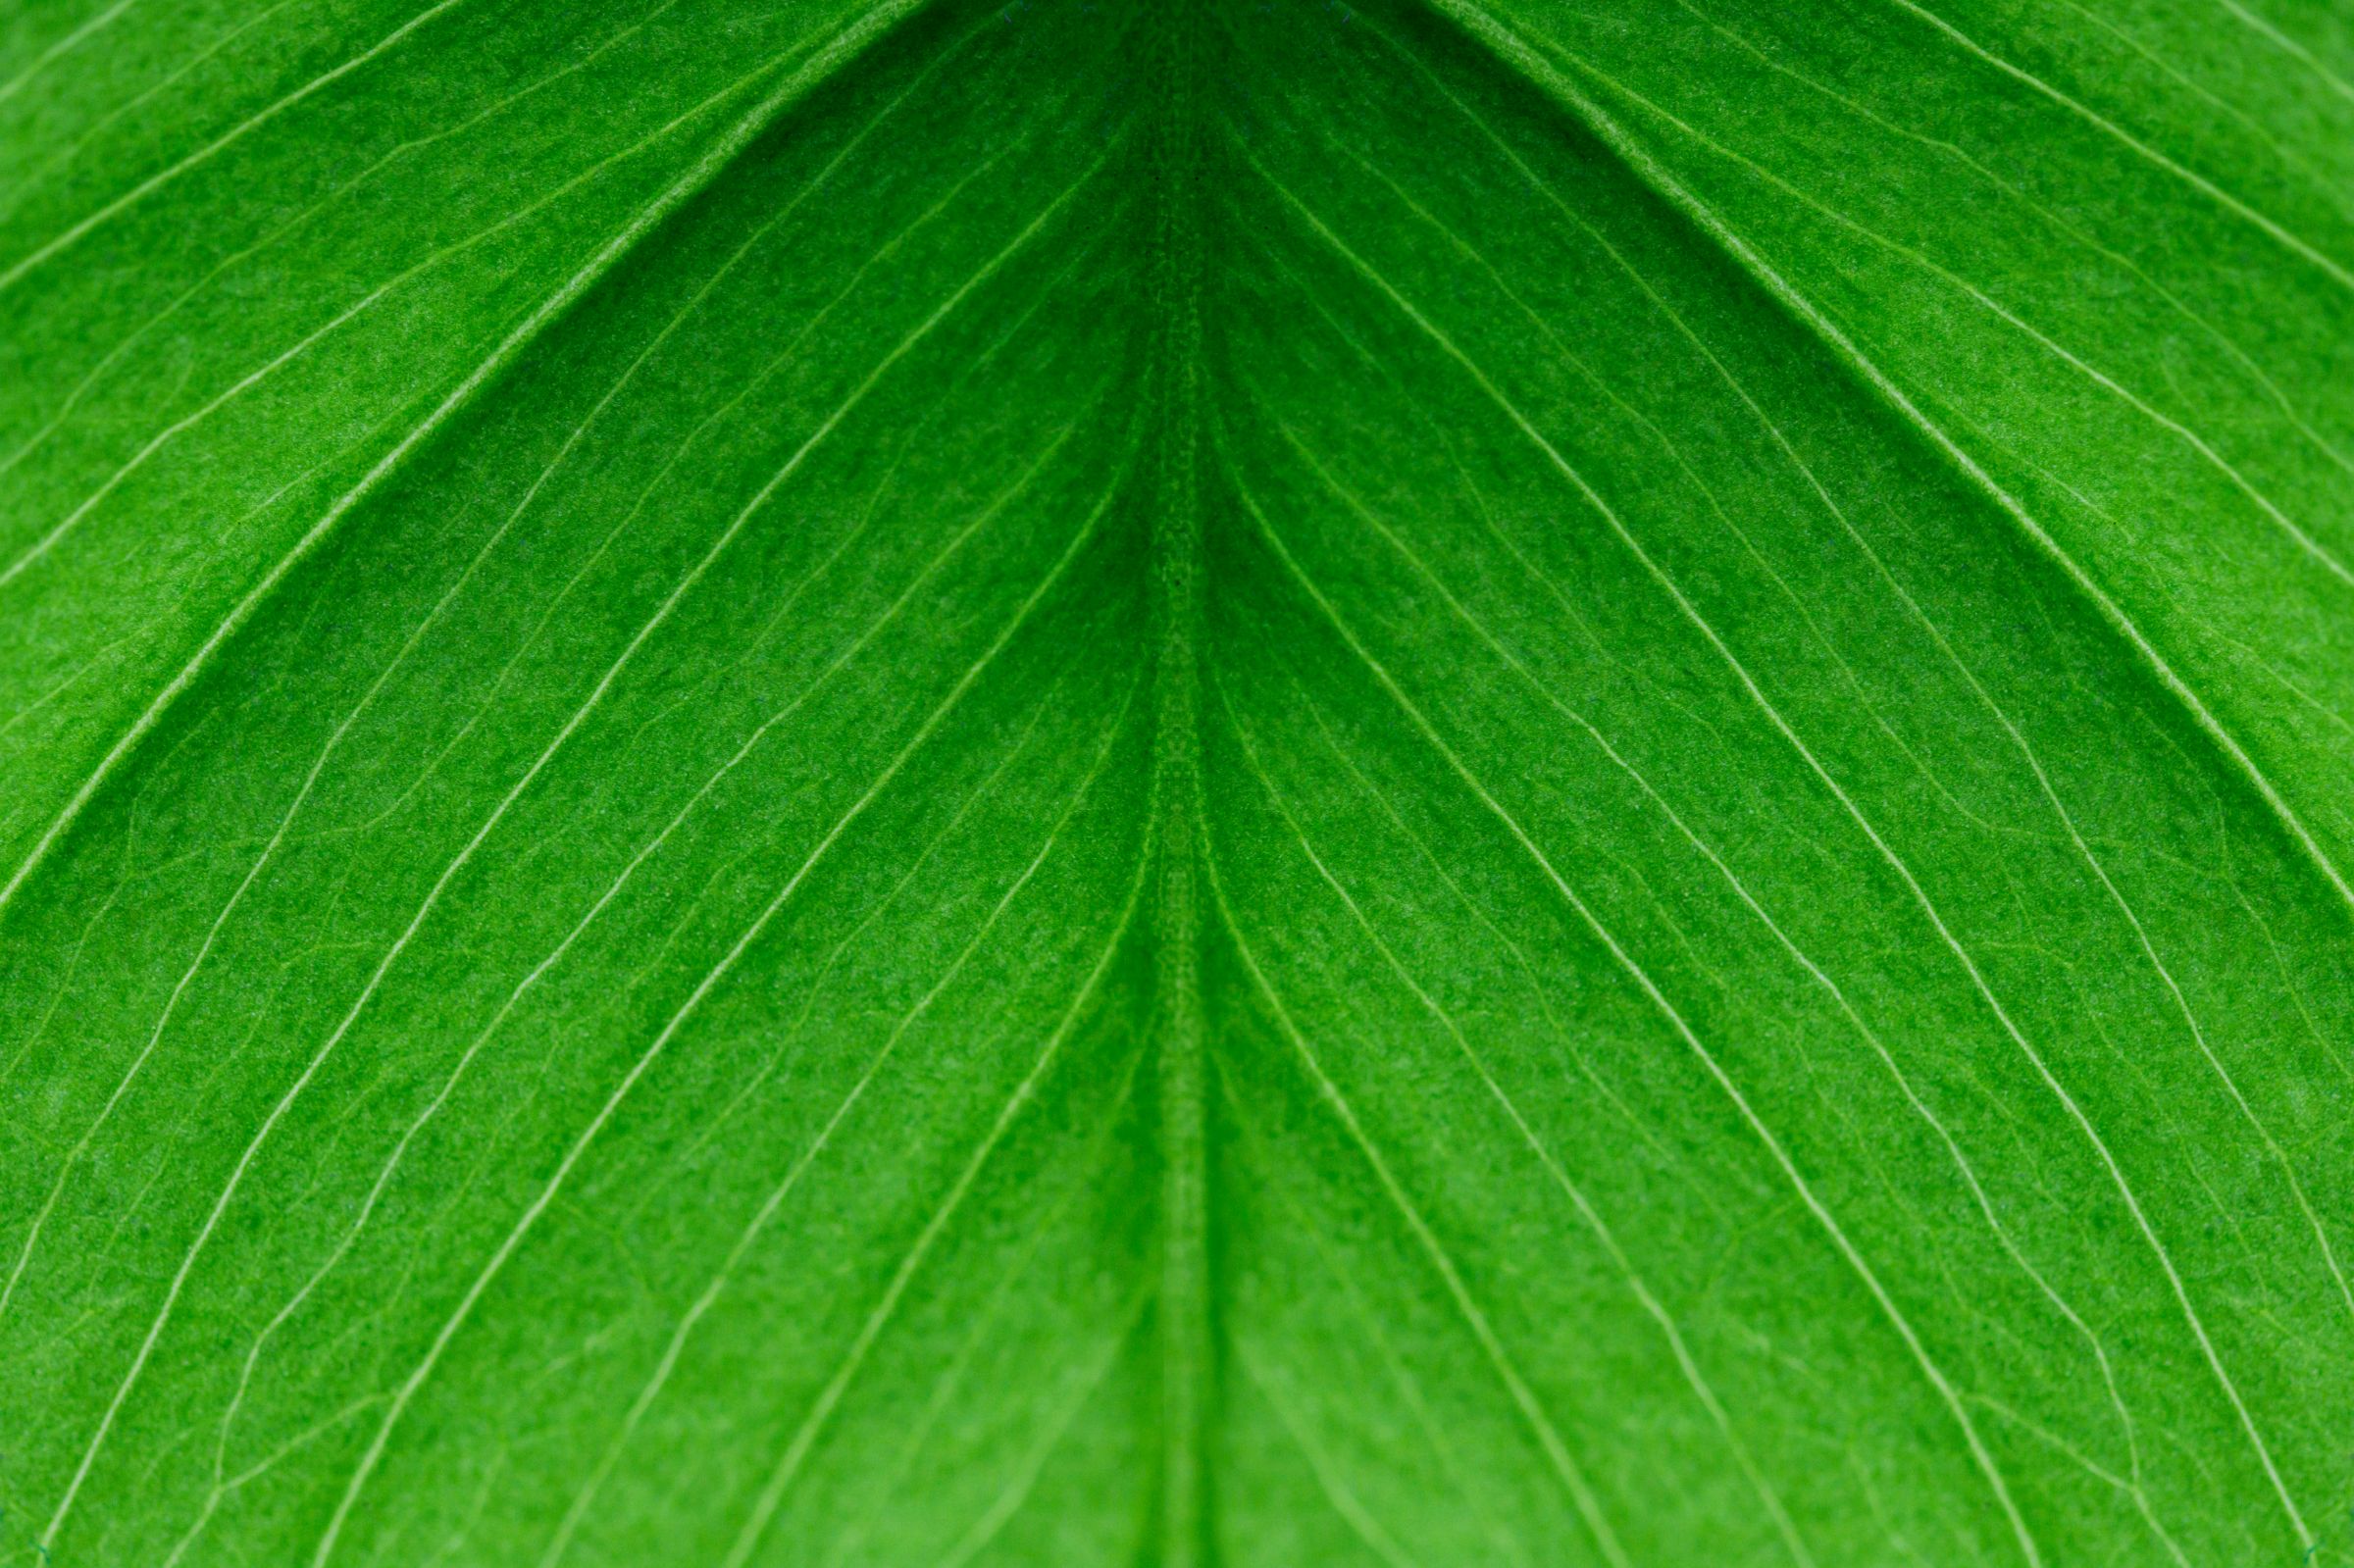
(1437, 782)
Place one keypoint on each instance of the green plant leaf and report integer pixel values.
(1463, 782)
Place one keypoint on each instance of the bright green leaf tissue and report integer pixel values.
(1251, 782)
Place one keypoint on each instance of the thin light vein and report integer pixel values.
(1636, 1286)
(813, 1422)
(365, 1468)
(1532, 1410)
(1822, 1213)
(719, 156)
(465, 855)
(2076, 1113)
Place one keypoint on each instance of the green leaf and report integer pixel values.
(1510, 782)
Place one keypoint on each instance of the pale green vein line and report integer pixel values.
(1336, 1492)
(952, 1380)
(1970, 965)
(319, 765)
(1969, 677)
(1666, 443)
(39, 549)
(717, 157)
(366, 1467)
(1637, 1287)
(2290, 47)
(1370, 1321)
(62, 47)
(555, 956)
(73, 519)
(915, 867)
(2288, 155)
(785, 356)
(1017, 1491)
(2191, 178)
(73, 398)
(2058, 219)
(2199, 444)
(758, 1224)
(804, 1438)
(1833, 335)
(1847, 1248)
(225, 1487)
(1814, 970)
(213, 148)
(2068, 824)
(432, 898)
(66, 155)
(1503, 939)
(1565, 1464)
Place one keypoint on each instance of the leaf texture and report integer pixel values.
(1252, 782)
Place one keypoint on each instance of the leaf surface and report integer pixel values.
(1444, 783)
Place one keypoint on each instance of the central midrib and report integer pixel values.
(1173, 148)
